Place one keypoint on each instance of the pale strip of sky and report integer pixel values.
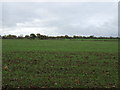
(59, 0)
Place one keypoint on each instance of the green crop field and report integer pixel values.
(60, 63)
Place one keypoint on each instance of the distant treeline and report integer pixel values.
(39, 36)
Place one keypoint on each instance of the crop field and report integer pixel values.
(59, 63)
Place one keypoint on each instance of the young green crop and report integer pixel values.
(60, 63)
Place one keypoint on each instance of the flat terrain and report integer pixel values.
(60, 63)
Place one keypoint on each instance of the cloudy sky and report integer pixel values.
(59, 18)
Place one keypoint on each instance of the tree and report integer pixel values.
(66, 36)
(74, 36)
(0, 36)
(38, 36)
(33, 36)
(27, 36)
(43, 37)
(11, 36)
(91, 37)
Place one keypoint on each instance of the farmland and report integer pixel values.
(60, 63)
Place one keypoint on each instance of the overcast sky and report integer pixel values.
(65, 18)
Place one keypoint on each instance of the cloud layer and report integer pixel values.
(98, 19)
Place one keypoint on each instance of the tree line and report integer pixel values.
(39, 36)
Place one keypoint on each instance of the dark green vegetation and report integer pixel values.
(39, 36)
(60, 63)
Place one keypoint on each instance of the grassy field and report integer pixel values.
(60, 63)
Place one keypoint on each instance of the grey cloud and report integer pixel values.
(65, 18)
